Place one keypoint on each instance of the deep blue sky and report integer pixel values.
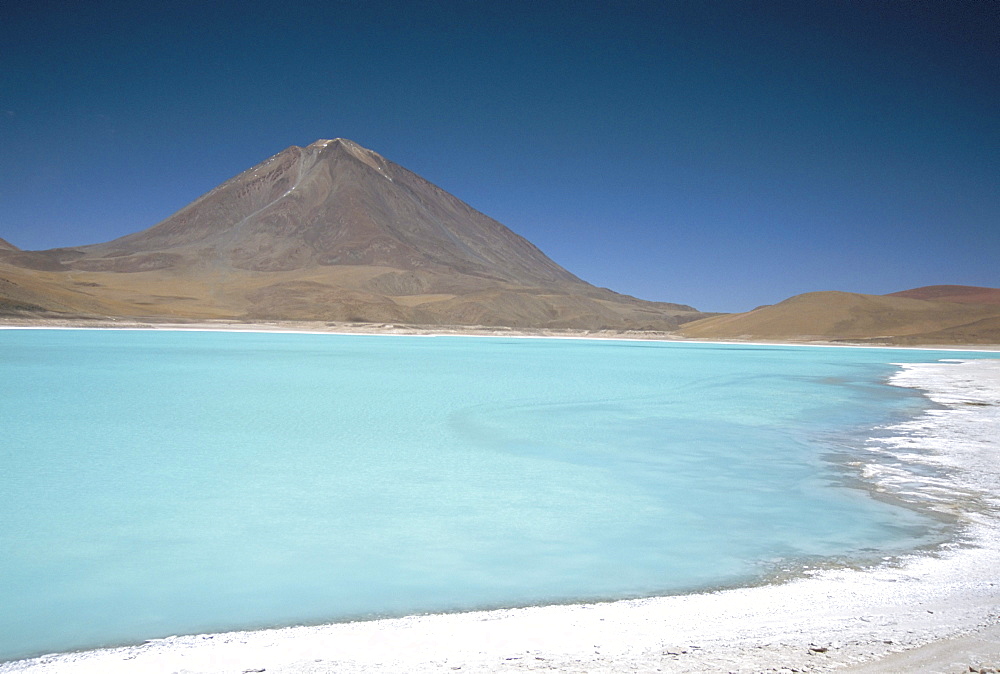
(722, 154)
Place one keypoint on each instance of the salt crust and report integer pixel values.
(819, 623)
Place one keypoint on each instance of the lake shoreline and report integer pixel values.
(318, 327)
(923, 612)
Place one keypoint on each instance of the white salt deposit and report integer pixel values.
(824, 622)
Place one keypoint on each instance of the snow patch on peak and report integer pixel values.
(372, 159)
(349, 145)
(366, 156)
(324, 142)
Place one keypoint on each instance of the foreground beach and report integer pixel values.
(831, 620)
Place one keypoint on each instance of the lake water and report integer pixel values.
(156, 483)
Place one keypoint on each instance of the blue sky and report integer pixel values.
(721, 154)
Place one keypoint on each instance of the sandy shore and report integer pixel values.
(320, 327)
(923, 613)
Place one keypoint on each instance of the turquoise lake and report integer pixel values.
(156, 483)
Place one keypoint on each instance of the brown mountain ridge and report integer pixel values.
(898, 318)
(330, 232)
(961, 294)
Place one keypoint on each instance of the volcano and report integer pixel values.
(334, 232)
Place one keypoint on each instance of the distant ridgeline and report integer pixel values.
(930, 315)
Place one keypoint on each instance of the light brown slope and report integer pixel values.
(336, 232)
(850, 316)
(985, 331)
(963, 294)
(25, 292)
(4, 245)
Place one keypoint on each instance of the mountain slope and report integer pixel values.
(336, 232)
(331, 203)
(854, 317)
(962, 294)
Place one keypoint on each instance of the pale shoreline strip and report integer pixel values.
(508, 333)
(825, 622)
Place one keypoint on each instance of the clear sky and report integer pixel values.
(717, 153)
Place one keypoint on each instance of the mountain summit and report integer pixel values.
(332, 231)
(331, 203)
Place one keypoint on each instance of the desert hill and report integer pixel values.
(962, 294)
(331, 232)
(840, 316)
(985, 331)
